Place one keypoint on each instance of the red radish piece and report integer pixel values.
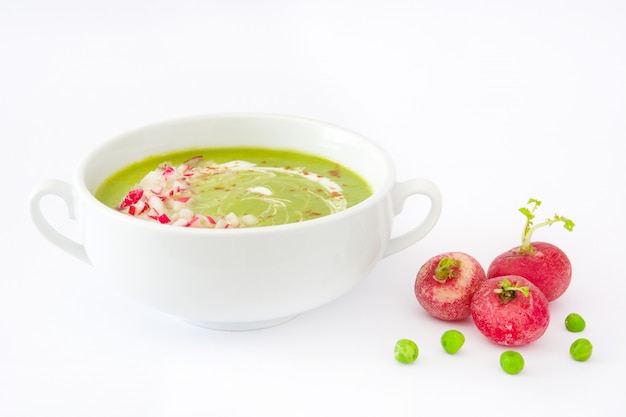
(157, 190)
(510, 310)
(194, 160)
(542, 263)
(168, 170)
(131, 198)
(445, 284)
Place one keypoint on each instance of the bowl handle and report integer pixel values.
(66, 192)
(400, 192)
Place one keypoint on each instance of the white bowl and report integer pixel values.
(237, 279)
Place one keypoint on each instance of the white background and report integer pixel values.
(494, 101)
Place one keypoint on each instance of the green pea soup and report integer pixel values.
(270, 186)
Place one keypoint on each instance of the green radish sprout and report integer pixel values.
(530, 228)
(507, 291)
(446, 268)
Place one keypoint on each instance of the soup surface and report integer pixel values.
(232, 187)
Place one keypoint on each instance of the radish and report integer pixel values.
(445, 284)
(510, 310)
(542, 263)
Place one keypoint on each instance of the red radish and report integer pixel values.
(445, 284)
(542, 263)
(510, 310)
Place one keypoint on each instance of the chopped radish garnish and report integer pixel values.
(132, 197)
(232, 219)
(249, 219)
(169, 170)
(166, 195)
(152, 213)
(181, 222)
(185, 213)
(141, 206)
(221, 223)
(157, 204)
(194, 159)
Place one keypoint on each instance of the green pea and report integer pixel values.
(574, 323)
(406, 351)
(452, 341)
(581, 349)
(512, 362)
